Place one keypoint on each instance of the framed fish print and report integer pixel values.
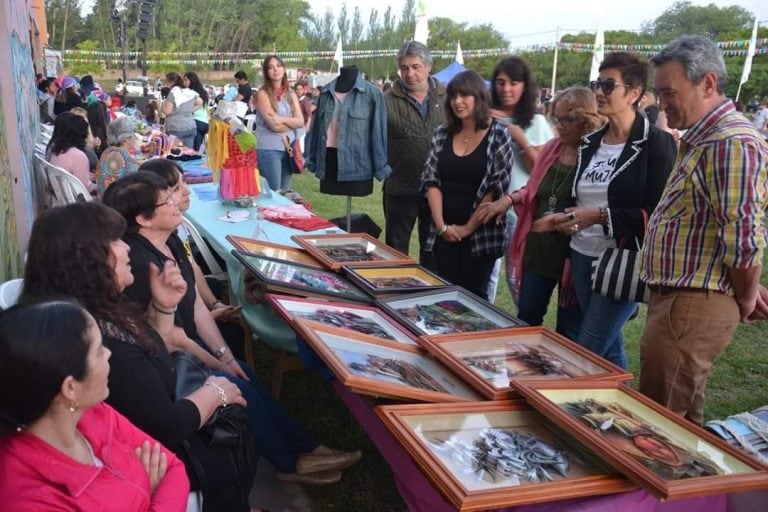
(488, 455)
(373, 366)
(392, 279)
(447, 310)
(350, 249)
(274, 251)
(491, 362)
(355, 317)
(285, 277)
(667, 455)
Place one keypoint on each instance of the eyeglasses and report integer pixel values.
(169, 200)
(606, 85)
(564, 121)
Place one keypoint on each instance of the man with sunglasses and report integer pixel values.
(703, 253)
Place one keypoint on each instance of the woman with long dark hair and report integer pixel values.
(278, 115)
(97, 118)
(67, 147)
(179, 110)
(61, 446)
(468, 164)
(191, 81)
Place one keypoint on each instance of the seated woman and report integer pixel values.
(152, 216)
(58, 435)
(117, 160)
(67, 147)
(141, 376)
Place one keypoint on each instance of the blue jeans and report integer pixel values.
(187, 137)
(604, 318)
(275, 167)
(202, 129)
(278, 438)
(535, 295)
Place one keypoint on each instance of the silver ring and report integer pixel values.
(576, 227)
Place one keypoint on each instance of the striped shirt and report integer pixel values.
(711, 214)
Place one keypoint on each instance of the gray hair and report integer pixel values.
(119, 130)
(415, 49)
(698, 55)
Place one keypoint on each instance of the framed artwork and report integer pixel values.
(491, 362)
(286, 277)
(664, 453)
(392, 279)
(488, 455)
(274, 251)
(447, 310)
(372, 366)
(350, 249)
(355, 317)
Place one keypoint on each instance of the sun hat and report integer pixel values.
(68, 82)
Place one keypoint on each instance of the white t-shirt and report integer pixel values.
(761, 116)
(538, 133)
(592, 192)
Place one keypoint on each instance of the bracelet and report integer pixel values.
(163, 311)
(511, 199)
(214, 303)
(221, 391)
(220, 351)
(442, 231)
(603, 215)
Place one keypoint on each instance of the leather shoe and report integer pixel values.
(310, 464)
(318, 478)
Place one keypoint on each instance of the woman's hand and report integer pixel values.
(225, 313)
(233, 368)
(155, 462)
(450, 234)
(576, 219)
(231, 391)
(498, 114)
(167, 286)
(547, 223)
(494, 210)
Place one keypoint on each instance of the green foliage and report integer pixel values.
(685, 18)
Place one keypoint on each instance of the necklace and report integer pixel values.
(557, 187)
(88, 449)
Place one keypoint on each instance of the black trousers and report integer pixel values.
(456, 264)
(400, 214)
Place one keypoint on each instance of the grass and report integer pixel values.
(737, 383)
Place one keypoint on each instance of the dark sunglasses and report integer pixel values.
(606, 85)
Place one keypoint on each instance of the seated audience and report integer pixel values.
(117, 160)
(67, 147)
(62, 447)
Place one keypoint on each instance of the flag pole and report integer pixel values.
(554, 60)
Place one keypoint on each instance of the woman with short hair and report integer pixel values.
(117, 160)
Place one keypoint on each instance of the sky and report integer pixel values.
(525, 23)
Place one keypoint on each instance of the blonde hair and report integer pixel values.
(582, 104)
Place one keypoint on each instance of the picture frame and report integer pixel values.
(450, 442)
(350, 249)
(491, 362)
(286, 277)
(667, 455)
(447, 310)
(372, 366)
(394, 279)
(363, 319)
(274, 251)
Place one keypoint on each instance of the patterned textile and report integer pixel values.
(114, 163)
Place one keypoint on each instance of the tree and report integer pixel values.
(343, 21)
(445, 33)
(685, 18)
(356, 31)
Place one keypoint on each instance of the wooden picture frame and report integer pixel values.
(372, 366)
(351, 250)
(286, 277)
(394, 279)
(447, 310)
(439, 438)
(491, 362)
(274, 251)
(669, 456)
(363, 319)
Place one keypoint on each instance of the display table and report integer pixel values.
(204, 213)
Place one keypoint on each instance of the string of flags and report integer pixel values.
(729, 48)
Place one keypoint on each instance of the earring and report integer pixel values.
(73, 406)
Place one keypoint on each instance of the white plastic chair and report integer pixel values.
(205, 251)
(58, 186)
(250, 120)
(9, 293)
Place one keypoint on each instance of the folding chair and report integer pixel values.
(9, 293)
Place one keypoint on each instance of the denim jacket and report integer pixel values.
(362, 133)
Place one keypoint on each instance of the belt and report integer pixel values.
(663, 289)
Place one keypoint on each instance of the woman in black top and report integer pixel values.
(469, 163)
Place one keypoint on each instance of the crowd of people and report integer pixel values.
(112, 299)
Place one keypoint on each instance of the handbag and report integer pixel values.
(295, 157)
(227, 428)
(616, 273)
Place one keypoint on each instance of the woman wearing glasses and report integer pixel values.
(622, 169)
(537, 259)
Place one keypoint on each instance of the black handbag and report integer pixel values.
(227, 428)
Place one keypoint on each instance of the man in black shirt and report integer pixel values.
(243, 87)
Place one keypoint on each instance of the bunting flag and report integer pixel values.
(597, 52)
(750, 54)
(338, 55)
(422, 26)
(459, 54)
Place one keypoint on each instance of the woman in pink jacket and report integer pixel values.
(61, 447)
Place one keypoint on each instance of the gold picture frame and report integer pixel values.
(394, 279)
(274, 251)
(350, 249)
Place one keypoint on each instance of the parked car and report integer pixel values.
(134, 88)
